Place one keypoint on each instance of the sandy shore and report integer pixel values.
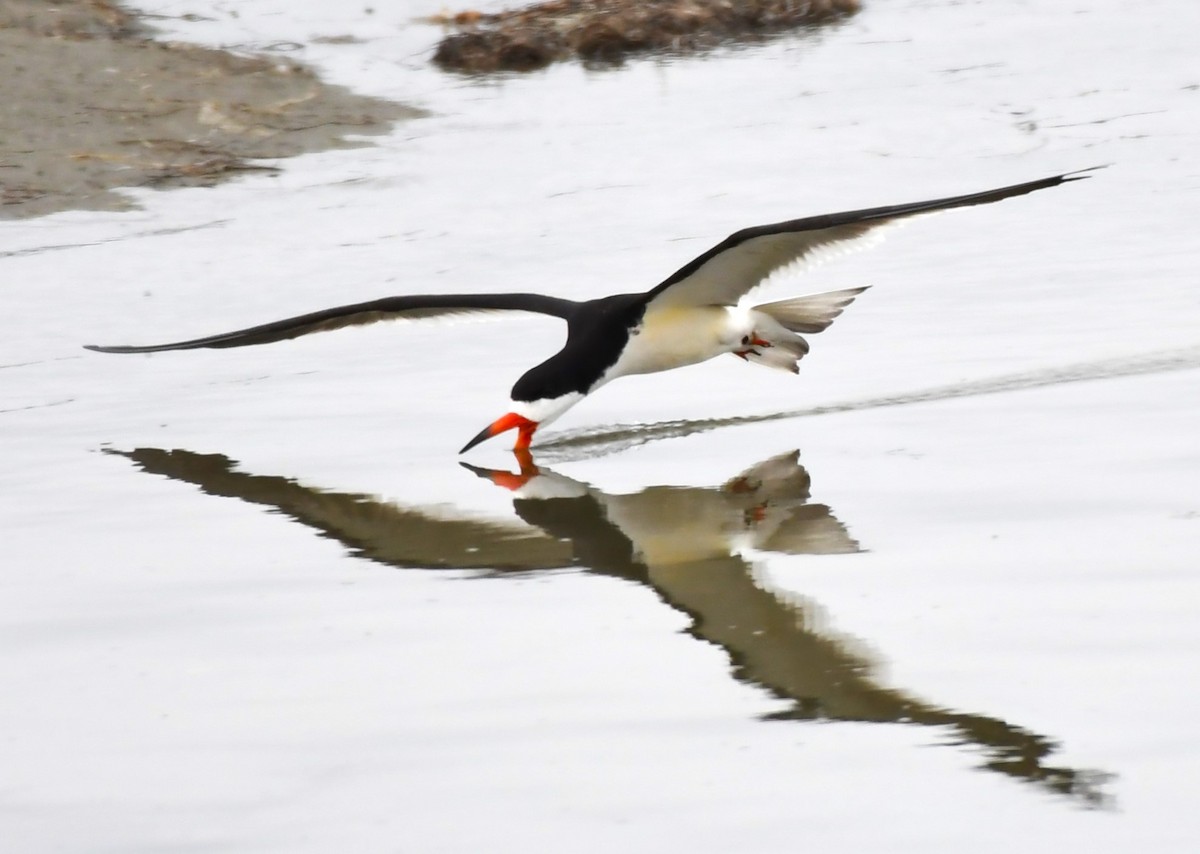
(93, 103)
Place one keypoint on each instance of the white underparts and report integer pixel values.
(676, 336)
(546, 410)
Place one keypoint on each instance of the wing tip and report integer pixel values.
(97, 348)
(1081, 174)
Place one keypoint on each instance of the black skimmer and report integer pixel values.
(694, 315)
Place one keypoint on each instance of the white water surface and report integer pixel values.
(233, 672)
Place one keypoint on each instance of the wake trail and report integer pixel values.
(590, 443)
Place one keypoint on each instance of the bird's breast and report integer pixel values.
(672, 338)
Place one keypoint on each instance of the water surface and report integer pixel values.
(253, 602)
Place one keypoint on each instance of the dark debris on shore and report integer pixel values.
(607, 31)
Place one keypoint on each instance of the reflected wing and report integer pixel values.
(427, 537)
(734, 267)
(389, 308)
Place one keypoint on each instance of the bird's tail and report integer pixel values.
(777, 325)
(812, 313)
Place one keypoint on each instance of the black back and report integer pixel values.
(597, 332)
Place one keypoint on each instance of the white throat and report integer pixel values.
(545, 410)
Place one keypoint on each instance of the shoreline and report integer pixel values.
(94, 103)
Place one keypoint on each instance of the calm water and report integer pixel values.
(936, 594)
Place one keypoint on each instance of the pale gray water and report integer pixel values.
(252, 602)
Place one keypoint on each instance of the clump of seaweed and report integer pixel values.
(606, 31)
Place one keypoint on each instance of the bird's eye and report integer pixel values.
(745, 339)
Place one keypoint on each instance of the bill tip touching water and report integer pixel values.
(695, 314)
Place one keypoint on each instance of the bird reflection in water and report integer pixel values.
(682, 542)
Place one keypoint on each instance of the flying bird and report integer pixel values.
(695, 314)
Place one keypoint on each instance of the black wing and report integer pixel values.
(738, 264)
(360, 314)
